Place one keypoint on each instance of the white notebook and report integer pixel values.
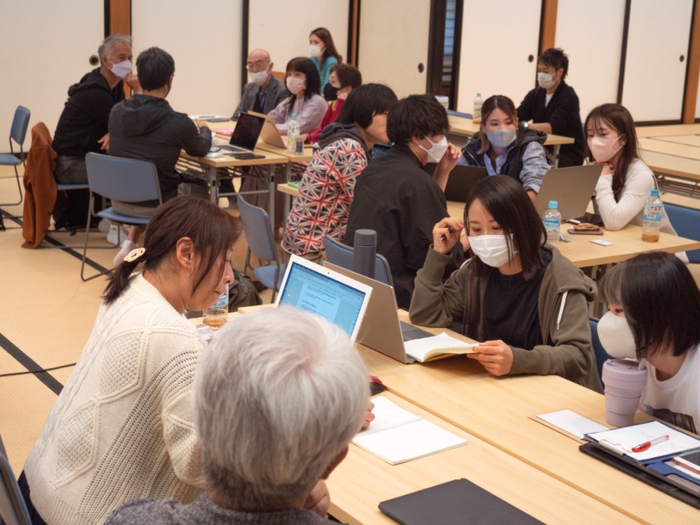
(397, 435)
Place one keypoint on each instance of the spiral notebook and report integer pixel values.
(397, 435)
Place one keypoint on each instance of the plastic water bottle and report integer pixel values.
(293, 129)
(217, 315)
(552, 222)
(653, 211)
(476, 114)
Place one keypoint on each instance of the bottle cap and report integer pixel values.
(478, 94)
(365, 238)
(294, 116)
(654, 192)
(553, 205)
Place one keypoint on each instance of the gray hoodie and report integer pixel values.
(146, 127)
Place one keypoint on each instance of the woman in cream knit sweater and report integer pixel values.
(122, 427)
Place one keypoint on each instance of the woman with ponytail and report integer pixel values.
(122, 426)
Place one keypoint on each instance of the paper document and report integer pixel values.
(571, 423)
(443, 345)
(397, 435)
(624, 439)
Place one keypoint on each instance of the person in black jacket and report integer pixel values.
(146, 127)
(82, 127)
(554, 107)
(506, 147)
(397, 198)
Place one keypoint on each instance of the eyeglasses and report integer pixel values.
(257, 66)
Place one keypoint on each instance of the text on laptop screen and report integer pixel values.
(311, 291)
(247, 131)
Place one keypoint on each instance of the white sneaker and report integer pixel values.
(104, 226)
(115, 236)
(127, 246)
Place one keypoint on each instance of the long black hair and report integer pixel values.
(509, 205)
(212, 230)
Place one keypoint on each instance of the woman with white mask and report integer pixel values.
(521, 297)
(506, 147)
(323, 54)
(305, 101)
(654, 315)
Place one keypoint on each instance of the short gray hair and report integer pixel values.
(278, 395)
(108, 43)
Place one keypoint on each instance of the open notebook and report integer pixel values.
(397, 435)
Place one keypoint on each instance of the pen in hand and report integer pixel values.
(449, 229)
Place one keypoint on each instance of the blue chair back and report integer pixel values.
(258, 231)
(13, 509)
(127, 180)
(600, 354)
(342, 255)
(20, 124)
(686, 222)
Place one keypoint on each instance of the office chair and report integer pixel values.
(18, 132)
(686, 222)
(342, 255)
(13, 509)
(600, 354)
(261, 243)
(126, 180)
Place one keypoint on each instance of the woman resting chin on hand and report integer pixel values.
(519, 295)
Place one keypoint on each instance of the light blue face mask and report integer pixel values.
(502, 138)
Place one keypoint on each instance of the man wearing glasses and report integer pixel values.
(265, 91)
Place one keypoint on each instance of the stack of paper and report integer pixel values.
(397, 436)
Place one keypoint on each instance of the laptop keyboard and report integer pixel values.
(234, 149)
(410, 332)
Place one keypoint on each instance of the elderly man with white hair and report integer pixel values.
(278, 396)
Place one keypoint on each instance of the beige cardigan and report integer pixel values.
(122, 426)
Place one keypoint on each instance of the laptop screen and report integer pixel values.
(247, 131)
(322, 294)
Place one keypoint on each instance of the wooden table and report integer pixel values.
(496, 411)
(362, 481)
(627, 243)
(464, 127)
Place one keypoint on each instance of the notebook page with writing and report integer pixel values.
(397, 436)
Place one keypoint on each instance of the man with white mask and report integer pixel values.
(397, 198)
(82, 127)
(265, 91)
(553, 106)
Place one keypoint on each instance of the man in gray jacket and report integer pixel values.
(265, 91)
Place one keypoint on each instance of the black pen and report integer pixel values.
(449, 229)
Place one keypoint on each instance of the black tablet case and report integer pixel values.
(457, 502)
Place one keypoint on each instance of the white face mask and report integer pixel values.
(602, 147)
(121, 69)
(315, 51)
(259, 77)
(502, 138)
(545, 80)
(437, 150)
(491, 249)
(295, 85)
(616, 336)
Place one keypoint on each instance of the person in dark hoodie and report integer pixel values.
(398, 199)
(553, 107)
(82, 127)
(327, 187)
(520, 297)
(146, 127)
(505, 147)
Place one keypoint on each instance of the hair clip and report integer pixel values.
(134, 254)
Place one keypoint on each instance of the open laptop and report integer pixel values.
(245, 135)
(270, 134)
(381, 329)
(572, 188)
(461, 182)
(335, 297)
